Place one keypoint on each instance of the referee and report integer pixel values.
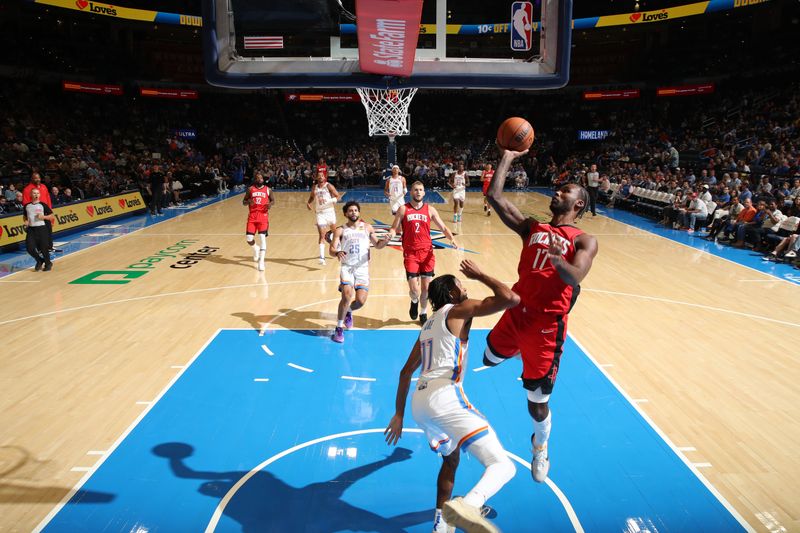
(592, 183)
(36, 216)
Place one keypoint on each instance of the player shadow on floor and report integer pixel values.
(294, 262)
(298, 321)
(267, 503)
(241, 260)
(19, 481)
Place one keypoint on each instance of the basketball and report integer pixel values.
(515, 134)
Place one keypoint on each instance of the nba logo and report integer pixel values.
(521, 26)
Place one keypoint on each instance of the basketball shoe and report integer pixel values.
(540, 464)
(413, 310)
(338, 335)
(466, 517)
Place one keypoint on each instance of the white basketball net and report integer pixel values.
(387, 110)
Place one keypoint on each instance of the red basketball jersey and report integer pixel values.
(259, 200)
(324, 169)
(416, 224)
(487, 175)
(539, 285)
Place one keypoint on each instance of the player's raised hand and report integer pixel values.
(510, 153)
(394, 430)
(470, 269)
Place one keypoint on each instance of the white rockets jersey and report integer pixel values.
(323, 196)
(443, 354)
(459, 181)
(355, 244)
(396, 187)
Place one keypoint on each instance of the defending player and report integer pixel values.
(555, 258)
(323, 196)
(486, 178)
(350, 245)
(415, 217)
(395, 189)
(260, 199)
(439, 405)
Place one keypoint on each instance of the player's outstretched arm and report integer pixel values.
(502, 299)
(396, 223)
(395, 428)
(334, 248)
(507, 211)
(436, 219)
(376, 242)
(573, 273)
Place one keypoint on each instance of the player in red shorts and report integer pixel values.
(555, 258)
(415, 217)
(260, 199)
(486, 178)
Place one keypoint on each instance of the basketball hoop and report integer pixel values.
(387, 110)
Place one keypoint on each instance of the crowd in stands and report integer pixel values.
(735, 146)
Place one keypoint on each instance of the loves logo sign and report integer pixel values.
(635, 17)
(122, 203)
(81, 4)
(90, 210)
(1, 231)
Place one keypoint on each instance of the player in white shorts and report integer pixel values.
(395, 189)
(439, 405)
(459, 181)
(350, 244)
(323, 196)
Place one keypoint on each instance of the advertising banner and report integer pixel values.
(388, 31)
(12, 228)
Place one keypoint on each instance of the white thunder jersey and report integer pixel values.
(443, 354)
(460, 182)
(396, 188)
(355, 244)
(323, 196)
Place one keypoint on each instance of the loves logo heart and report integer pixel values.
(635, 16)
(90, 210)
(81, 4)
(122, 203)
(1, 231)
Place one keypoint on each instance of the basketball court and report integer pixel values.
(144, 392)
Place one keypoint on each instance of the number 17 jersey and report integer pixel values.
(539, 286)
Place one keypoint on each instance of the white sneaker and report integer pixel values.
(255, 256)
(540, 464)
(261, 265)
(321, 260)
(440, 526)
(466, 517)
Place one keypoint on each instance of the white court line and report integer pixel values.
(354, 378)
(54, 511)
(298, 367)
(80, 469)
(702, 465)
(261, 379)
(687, 448)
(480, 368)
(266, 349)
(223, 503)
(18, 280)
(667, 440)
(194, 291)
(690, 304)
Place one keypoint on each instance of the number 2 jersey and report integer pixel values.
(416, 224)
(443, 354)
(539, 286)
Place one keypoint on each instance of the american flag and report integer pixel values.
(263, 43)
